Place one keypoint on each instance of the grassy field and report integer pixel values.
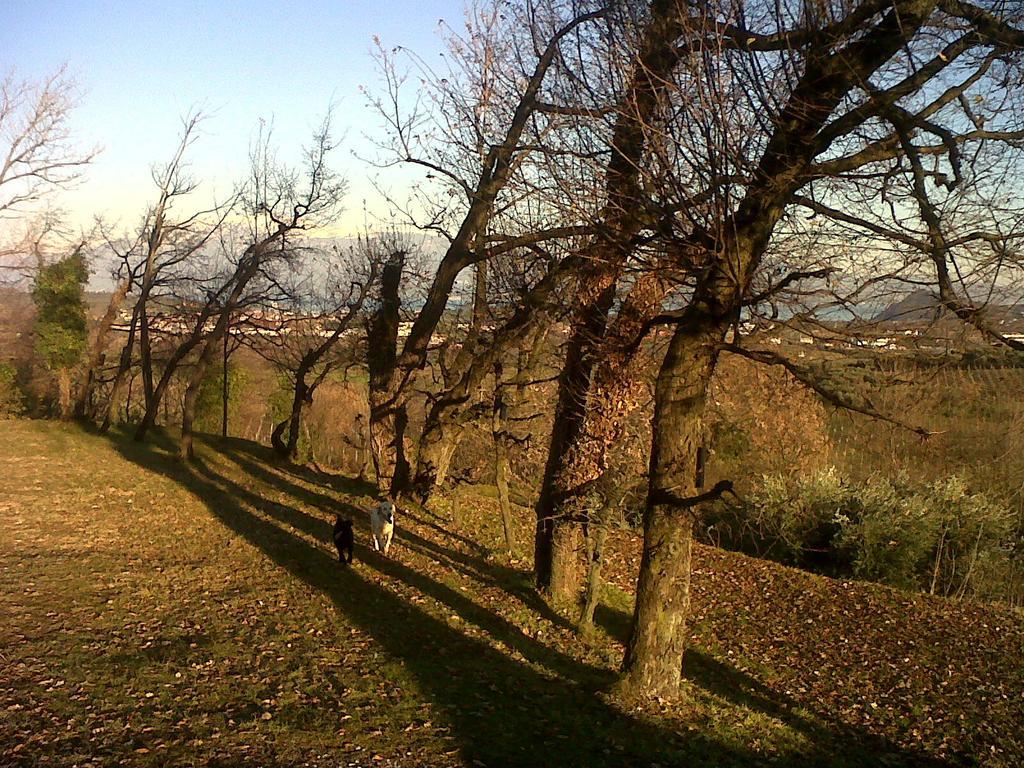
(155, 614)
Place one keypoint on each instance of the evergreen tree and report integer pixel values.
(61, 329)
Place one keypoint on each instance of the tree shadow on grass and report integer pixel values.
(475, 546)
(237, 448)
(500, 711)
(476, 566)
(468, 610)
(733, 685)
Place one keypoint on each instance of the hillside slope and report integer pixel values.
(152, 614)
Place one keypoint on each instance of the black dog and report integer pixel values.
(344, 539)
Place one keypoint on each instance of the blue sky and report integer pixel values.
(141, 66)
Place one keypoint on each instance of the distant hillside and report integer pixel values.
(923, 307)
(918, 307)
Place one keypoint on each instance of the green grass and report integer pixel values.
(159, 614)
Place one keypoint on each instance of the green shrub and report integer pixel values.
(783, 520)
(885, 535)
(12, 402)
(940, 538)
(210, 401)
(61, 327)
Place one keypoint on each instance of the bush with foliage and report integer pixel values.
(11, 400)
(210, 402)
(940, 538)
(61, 328)
(783, 520)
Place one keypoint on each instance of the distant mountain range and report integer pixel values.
(924, 307)
(917, 307)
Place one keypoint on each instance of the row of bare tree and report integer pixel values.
(599, 171)
(694, 165)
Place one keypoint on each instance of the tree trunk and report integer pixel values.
(83, 403)
(123, 369)
(301, 396)
(128, 398)
(382, 441)
(303, 392)
(387, 443)
(653, 661)
(146, 358)
(595, 550)
(153, 407)
(115, 395)
(277, 441)
(64, 398)
(613, 392)
(438, 443)
(170, 368)
(447, 417)
(451, 445)
(195, 380)
(247, 268)
(188, 415)
(364, 458)
(556, 561)
(292, 424)
(566, 562)
(556, 551)
(504, 502)
(224, 389)
(303, 399)
(387, 411)
(500, 436)
(654, 656)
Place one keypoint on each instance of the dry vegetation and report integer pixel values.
(162, 614)
(667, 229)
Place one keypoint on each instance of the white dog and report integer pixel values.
(382, 526)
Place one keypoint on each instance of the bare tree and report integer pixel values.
(151, 260)
(737, 117)
(388, 414)
(38, 156)
(37, 152)
(650, 57)
(476, 171)
(515, 298)
(828, 99)
(326, 297)
(280, 202)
